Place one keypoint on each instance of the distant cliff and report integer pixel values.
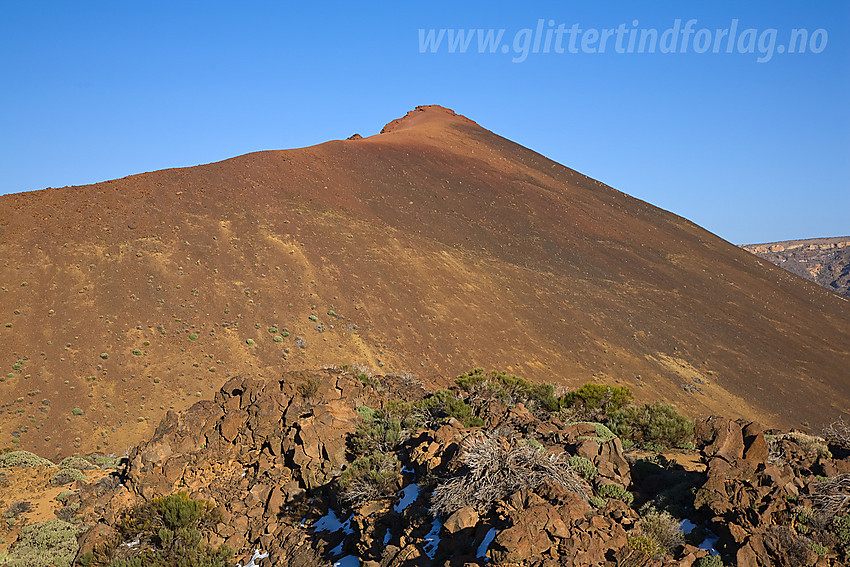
(825, 261)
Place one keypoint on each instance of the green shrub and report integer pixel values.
(250, 342)
(584, 467)
(444, 404)
(645, 544)
(278, 339)
(77, 411)
(663, 529)
(658, 424)
(601, 433)
(104, 355)
(313, 318)
(598, 398)
(598, 501)
(77, 462)
(66, 476)
(618, 492)
(47, 544)
(508, 389)
(137, 352)
(17, 365)
(193, 337)
(365, 412)
(819, 548)
(371, 477)
(273, 330)
(23, 459)
(841, 529)
(385, 430)
(172, 532)
(710, 561)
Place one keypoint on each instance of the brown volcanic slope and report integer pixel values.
(825, 261)
(437, 245)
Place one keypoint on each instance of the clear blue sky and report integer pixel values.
(752, 151)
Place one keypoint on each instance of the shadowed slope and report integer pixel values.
(433, 247)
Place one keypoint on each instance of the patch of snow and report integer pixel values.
(387, 537)
(485, 544)
(331, 523)
(328, 523)
(709, 543)
(687, 526)
(258, 554)
(432, 539)
(407, 497)
(348, 561)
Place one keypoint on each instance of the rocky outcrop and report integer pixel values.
(825, 261)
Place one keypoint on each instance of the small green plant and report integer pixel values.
(508, 389)
(18, 365)
(313, 318)
(23, 459)
(615, 491)
(331, 313)
(193, 337)
(598, 501)
(284, 334)
(444, 404)
(819, 548)
(370, 478)
(710, 561)
(104, 355)
(598, 399)
(584, 467)
(172, 530)
(653, 425)
(278, 339)
(45, 544)
(67, 476)
(77, 462)
(273, 330)
(646, 545)
(250, 342)
(77, 411)
(137, 352)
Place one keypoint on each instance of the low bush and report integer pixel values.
(383, 430)
(508, 389)
(584, 467)
(77, 462)
(601, 432)
(370, 478)
(710, 561)
(47, 544)
(67, 476)
(308, 387)
(594, 401)
(663, 529)
(617, 492)
(23, 459)
(832, 498)
(171, 531)
(495, 467)
(653, 425)
(444, 404)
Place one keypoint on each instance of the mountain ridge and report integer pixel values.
(432, 248)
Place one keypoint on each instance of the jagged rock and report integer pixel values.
(464, 518)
